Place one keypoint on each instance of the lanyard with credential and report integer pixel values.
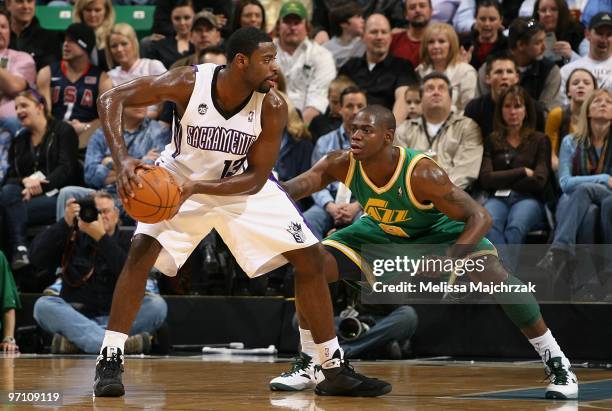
(440, 131)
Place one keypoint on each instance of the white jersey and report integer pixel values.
(208, 143)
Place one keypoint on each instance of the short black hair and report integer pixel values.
(489, 3)
(499, 56)
(441, 76)
(382, 116)
(523, 29)
(342, 14)
(245, 41)
(351, 90)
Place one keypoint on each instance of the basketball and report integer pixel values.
(157, 199)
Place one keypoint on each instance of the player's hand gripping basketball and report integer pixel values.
(187, 190)
(127, 178)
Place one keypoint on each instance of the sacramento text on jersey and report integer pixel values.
(444, 287)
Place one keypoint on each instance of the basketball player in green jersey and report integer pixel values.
(408, 199)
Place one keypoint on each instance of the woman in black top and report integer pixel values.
(42, 159)
(515, 171)
(563, 34)
(487, 36)
(170, 49)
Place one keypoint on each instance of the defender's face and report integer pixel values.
(262, 70)
(367, 138)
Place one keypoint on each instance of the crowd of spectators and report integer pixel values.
(512, 99)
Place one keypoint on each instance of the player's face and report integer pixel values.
(71, 50)
(513, 111)
(367, 138)
(110, 214)
(503, 75)
(28, 112)
(601, 107)
(121, 49)
(580, 85)
(262, 71)
(21, 10)
(488, 22)
(5, 32)
(351, 105)
(94, 14)
(251, 16)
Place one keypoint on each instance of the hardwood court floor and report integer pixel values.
(196, 383)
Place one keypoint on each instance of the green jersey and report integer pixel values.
(394, 207)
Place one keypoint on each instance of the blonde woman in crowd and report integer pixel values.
(440, 52)
(100, 16)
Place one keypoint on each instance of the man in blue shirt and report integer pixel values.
(329, 211)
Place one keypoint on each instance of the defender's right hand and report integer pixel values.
(127, 178)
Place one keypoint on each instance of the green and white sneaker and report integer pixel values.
(563, 382)
(301, 376)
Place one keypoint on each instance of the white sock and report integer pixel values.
(327, 349)
(113, 339)
(308, 345)
(546, 342)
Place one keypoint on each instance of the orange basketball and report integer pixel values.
(157, 199)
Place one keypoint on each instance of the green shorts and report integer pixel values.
(363, 241)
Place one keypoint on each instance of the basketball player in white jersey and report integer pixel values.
(226, 139)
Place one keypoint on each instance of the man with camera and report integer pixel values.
(91, 251)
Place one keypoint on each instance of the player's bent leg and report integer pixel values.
(313, 301)
(127, 298)
(524, 311)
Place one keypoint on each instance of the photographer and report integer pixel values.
(91, 251)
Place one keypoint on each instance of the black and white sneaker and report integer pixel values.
(109, 368)
(342, 380)
(299, 378)
(563, 382)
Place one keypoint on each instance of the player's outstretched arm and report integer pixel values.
(431, 184)
(331, 167)
(174, 85)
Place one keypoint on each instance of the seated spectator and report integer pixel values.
(563, 34)
(406, 44)
(42, 159)
(17, 71)
(9, 302)
(562, 121)
(382, 76)
(164, 25)
(515, 171)
(501, 73)
(585, 177)
(91, 255)
(329, 209)
(538, 75)
(330, 120)
(453, 140)
(307, 67)
(28, 36)
(248, 13)
(145, 139)
(170, 49)
(413, 101)
(72, 86)
(123, 56)
(440, 53)
(205, 34)
(100, 16)
(214, 55)
(487, 36)
(5, 144)
(347, 30)
(296, 149)
(599, 59)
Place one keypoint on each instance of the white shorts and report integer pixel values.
(257, 229)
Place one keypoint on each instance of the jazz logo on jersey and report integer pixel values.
(295, 229)
(377, 209)
(202, 109)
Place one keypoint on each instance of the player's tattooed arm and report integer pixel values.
(332, 167)
(174, 85)
(431, 185)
